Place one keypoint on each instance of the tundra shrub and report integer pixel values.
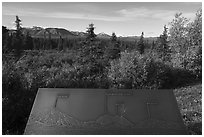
(140, 71)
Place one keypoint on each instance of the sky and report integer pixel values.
(123, 18)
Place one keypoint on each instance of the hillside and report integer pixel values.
(39, 32)
(137, 38)
(103, 35)
(55, 32)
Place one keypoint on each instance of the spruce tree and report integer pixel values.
(44, 40)
(17, 41)
(5, 38)
(153, 45)
(141, 45)
(92, 52)
(50, 41)
(28, 42)
(163, 47)
(113, 37)
(59, 46)
(90, 30)
(113, 50)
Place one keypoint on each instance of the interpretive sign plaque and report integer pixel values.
(105, 111)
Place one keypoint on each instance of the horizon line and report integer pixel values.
(118, 35)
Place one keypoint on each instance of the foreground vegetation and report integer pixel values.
(189, 100)
(52, 69)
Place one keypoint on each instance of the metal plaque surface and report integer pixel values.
(105, 111)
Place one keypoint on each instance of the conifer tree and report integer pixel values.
(50, 41)
(17, 41)
(44, 40)
(113, 50)
(92, 51)
(90, 30)
(113, 37)
(141, 45)
(163, 47)
(28, 41)
(153, 45)
(60, 43)
(5, 38)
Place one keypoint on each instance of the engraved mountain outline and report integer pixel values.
(54, 117)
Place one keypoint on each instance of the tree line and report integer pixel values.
(16, 41)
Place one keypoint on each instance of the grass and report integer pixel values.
(189, 100)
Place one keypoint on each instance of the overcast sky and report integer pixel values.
(124, 19)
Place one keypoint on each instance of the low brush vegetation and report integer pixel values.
(189, 99)
(46, 69)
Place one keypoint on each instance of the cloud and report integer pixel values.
(62, 15)
(83, 16)
(166, 15)
(120, 15)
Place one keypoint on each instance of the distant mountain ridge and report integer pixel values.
(40, 32)
(53, 32)
(103, 35)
